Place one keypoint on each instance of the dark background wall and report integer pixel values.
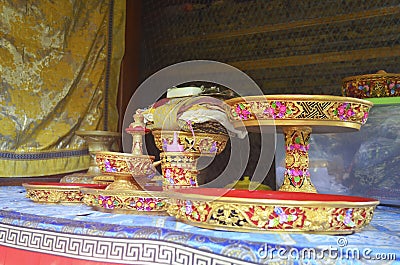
(286, 46)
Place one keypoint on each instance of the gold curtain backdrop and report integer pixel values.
(59, 73)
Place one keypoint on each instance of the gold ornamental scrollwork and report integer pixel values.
(318, 219)
(179, 169)
(229, 215)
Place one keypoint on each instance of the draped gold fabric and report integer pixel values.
(59, 70)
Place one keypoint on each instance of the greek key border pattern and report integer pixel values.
(106, 249)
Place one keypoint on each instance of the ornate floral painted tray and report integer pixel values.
(127, 201)
(378, 85)
(54, 192)
(324, 113)
(271, 211)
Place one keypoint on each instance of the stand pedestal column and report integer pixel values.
(297, 174)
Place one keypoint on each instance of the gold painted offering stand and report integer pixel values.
(296, 207)
(297, 116)
(126, 169)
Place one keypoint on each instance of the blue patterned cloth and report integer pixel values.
(379, 243)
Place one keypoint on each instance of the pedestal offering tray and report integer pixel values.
(271, 211)
(378, 85)
(297, 116)
(325, 113)
(152, 201)
(54, 192)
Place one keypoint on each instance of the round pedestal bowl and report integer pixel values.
(129, 171)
